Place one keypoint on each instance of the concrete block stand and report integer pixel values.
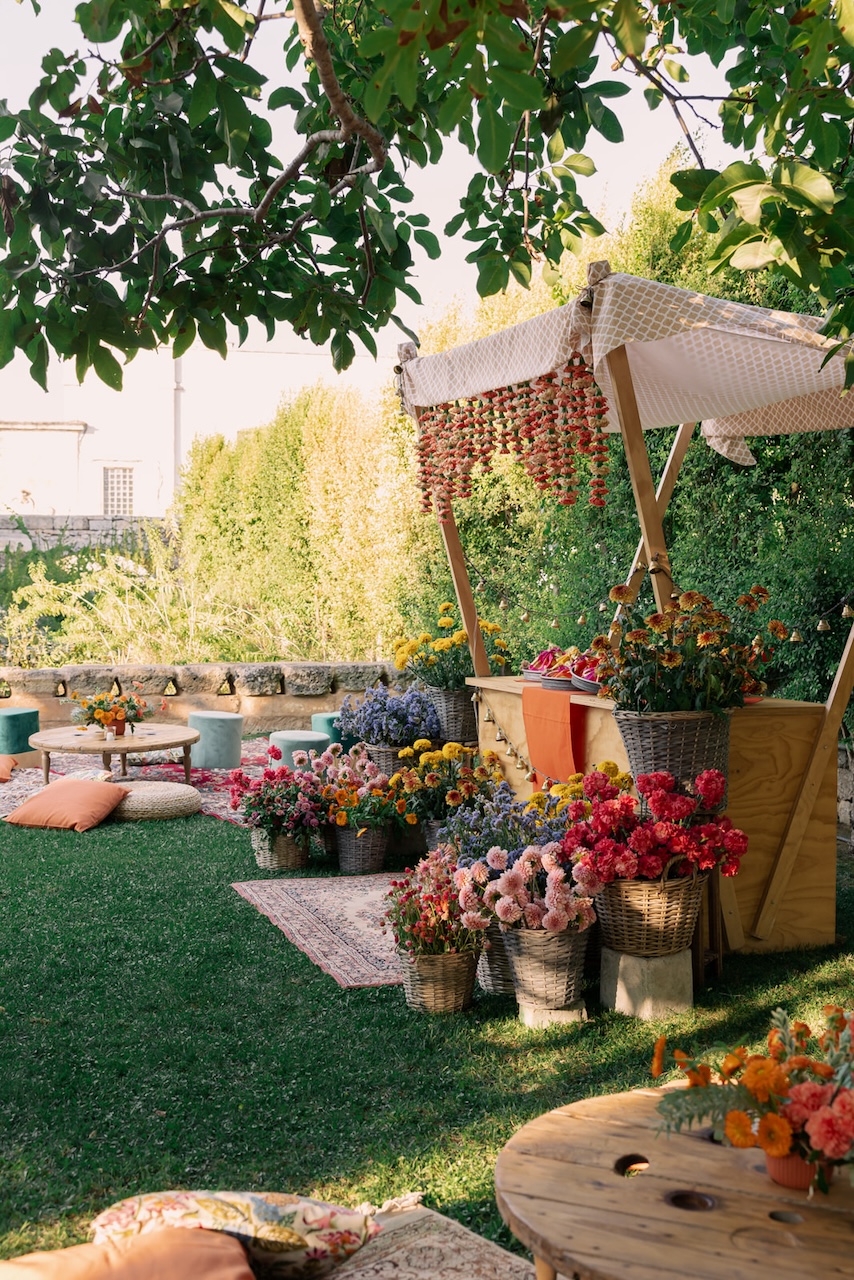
(646, 987)
(534, 1015)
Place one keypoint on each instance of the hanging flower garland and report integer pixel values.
(549, 423)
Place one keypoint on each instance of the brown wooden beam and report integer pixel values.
(465, 595)
(663, 494)
(652, 531)
(826, 742)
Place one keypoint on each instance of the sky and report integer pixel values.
(246, 390)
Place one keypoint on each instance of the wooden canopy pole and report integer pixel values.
(465, 595)
(663, 494)
(643, 486)
(825, 742)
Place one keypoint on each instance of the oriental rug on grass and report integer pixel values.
(335, 920)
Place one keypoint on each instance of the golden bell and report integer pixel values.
(510, 752)
(520, 763)
(480, 588)
(525, 617)
(530, 776)
(499, 735)
(824, 625)
(582, 619)
(555, 624)
(504, 604)
(488, 717)
(848, 612)
(602, 607)
(796, 637)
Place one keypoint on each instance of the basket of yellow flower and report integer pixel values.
(444, 663)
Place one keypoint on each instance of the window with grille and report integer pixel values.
(118, 491)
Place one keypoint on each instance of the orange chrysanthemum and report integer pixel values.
(763, 1077)
(778, 629)
(776, 1048)
(658, 622)
(733, 1062)
(761, 593)
(670, 658)
(738, 1129)
(623, 593)
(774, 1135)
(658, 1057)
(699, 1078)
(706, 638)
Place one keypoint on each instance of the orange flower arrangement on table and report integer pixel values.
(797, 1100)
(110, 710)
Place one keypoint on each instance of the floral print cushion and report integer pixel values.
(286, 1236)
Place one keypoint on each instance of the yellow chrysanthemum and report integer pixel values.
(446, 607)
(460, 637)
(446, 622)
(421, 744)
(424, 638)
(607, 767)
(452, 751)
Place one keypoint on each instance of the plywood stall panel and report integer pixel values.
(770, 745)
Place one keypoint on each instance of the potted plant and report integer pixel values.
(386, 721)
(361, 804)
(437, 940)
(284, 810)
(543, 917)
(675, 674)
(443, 663)
(439, 781)
(110, 710)
(646, 873)
(796, 1102)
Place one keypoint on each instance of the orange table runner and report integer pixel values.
(554, 729)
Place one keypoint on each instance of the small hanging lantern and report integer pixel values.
(520, 763)
(555, 624)
(530, 775)
(525, 617)
(488, 717)
(823, 625)
(499, 735)
(511, 751)
(848, 612)
(796, 637)
(504, 604)
(582, 619)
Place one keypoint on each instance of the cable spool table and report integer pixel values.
(597, 1192)
(148, 737)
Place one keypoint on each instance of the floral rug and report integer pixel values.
(422, 1245)
(335, 921)
(162, 766)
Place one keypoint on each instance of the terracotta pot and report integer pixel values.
(118, 727)
(793, 1171)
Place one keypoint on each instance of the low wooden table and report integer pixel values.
(148, 737)
(596, 1193)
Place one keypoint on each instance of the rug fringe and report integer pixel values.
(398, 1204)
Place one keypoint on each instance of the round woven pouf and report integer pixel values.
(148, 801)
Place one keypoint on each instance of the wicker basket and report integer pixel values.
(431, 828)
(547, 968)
(281, 853)
(650, 917)
(386, 758)
(438, 984)
(362, 855)
(457, 716)
(682, 743)
(494, 974)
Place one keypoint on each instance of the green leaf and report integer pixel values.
(682, 236)
(102, 20)
(522, 271)
(676, 71)
(844, 13)
(519, 90)
(494, 139)
(733, 178)
(493, 275)
(579, 164)
(235, 121)
(229, 21)
(693, 182)
(203, 96)
(8, 125)
(555, 148)
(573, 47)
(452, 227)
(607, 123)
(343, 350)
(629, 27)
(752, 256)
(813, 186)
(608, 88)
(429, 243)
(285, 96)
(185, 338)
(107, 367)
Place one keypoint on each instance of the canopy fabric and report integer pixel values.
(739, 370)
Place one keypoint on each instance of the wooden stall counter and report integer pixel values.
(770, 747)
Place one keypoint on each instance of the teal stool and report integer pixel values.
(219, 744)
(17, 724)
(327, 722)
(290, 740)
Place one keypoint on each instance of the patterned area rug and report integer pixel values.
(335, 921)
(162, 766)
(422, 1245)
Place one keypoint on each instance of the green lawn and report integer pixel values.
(156, 1031)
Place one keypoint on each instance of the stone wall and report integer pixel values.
(269, 695)
(845, 787)
(71, 531)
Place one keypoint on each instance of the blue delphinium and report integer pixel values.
(503, 821)
(390, 718)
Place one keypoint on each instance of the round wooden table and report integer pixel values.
(148, 737)
(596, 1193)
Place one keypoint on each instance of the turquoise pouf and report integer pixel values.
(219, 744)
(290, 740)
(17, 724)
(327, 722)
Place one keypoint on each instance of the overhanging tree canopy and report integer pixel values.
(144, 201)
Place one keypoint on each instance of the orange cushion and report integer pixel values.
(73, 804)
(170, 1254)
(7, 764)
